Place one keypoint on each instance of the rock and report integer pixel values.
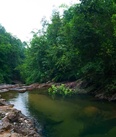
(13, 115)
(4, 90)
(15, 135)
(100, 96)
(6, 125)
(32, 133)
(19, 89)
(14, 124)
(90, 111)
(7, 86)
(112, 98)
(6, 135)
(3, 102)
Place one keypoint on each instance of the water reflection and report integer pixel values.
(79, 116)
(21, 103)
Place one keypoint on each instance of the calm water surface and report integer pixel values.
(80, 116)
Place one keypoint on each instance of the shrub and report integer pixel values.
(61, 90)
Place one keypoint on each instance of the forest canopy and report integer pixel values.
(81, 43)
(11, 55)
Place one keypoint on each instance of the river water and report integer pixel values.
(80, 116)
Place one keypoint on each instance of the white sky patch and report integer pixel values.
(20, 17)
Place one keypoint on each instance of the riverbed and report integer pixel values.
(79, 116)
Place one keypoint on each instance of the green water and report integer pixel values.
(80, 116)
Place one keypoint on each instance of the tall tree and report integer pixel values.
(11, 55)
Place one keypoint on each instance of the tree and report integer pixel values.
(78, 44)
(11, 55)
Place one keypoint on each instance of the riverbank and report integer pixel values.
(22, 87)
(14, 124)
(81, 87)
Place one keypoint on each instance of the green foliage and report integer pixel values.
(11, 56)
(110, 88)
(79, 44)
(61, 90)
(35, 67)
(114, 23)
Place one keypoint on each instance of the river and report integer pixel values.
(80, 116)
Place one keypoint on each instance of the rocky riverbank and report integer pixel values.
(22, 88)
(81, 87)
(14, 124)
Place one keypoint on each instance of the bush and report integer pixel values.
(61, 90)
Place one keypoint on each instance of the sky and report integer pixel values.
(20, 17)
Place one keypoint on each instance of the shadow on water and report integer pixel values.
(98, 127)
(47, 123)
(80, 116)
